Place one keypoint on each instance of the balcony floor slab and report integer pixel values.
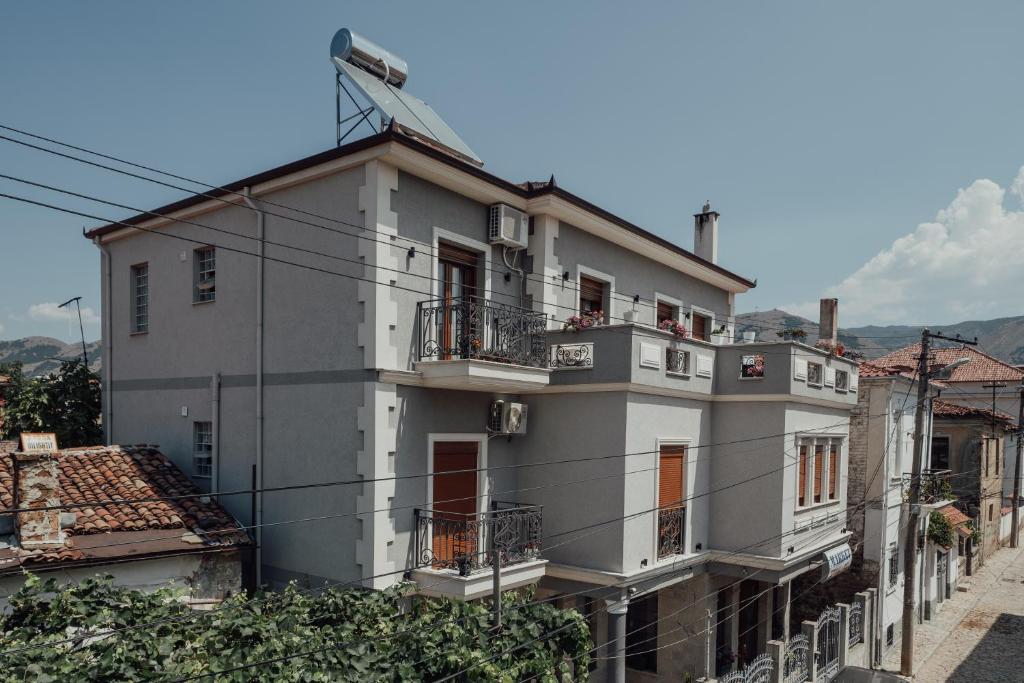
(446, 583)
(480, 375)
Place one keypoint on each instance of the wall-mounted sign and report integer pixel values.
(752, 366)
(32, 442)
(836, 561)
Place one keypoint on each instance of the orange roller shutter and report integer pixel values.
(833, 471)
(819, 463)
(672, 477)
(802, 491)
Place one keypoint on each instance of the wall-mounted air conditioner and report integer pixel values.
(508, 226)
(507, 417)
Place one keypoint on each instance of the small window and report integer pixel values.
(991, 508)
(677, 362)
(667, 311)
(642, 634)
(842, 380)
(833, 472)
(701, 327)
(819, 470)
(202, 448)
(890, 634)
(592, 297)
(814, 374)
(894, 565)
(801, 496)
(940, 452)
(205, 275)
(140, 298)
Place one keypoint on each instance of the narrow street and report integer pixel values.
(979, 636)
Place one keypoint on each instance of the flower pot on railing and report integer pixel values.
(583, 321)
(676, 327)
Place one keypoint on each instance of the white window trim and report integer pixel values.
(195, 275)
(819, 383)
(462, 241)
(672, 301)
(842, 390)
(812, 439)
(691, 473)
(602, 277)
(710, 315)
(196, 453)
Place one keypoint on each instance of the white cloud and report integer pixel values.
(49, 312)
(967, 263)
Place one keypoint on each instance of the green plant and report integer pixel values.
(330, 635)
(940, 531)
(66, 402)
(792, 333)
(975, 533)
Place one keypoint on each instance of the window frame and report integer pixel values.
(931, 451)
(199, 294)
(688, 475)
(709, 322)
(675, 304)
(202, 450)
(813, 475)
(893, 559)
(845, 374)
(821, 374)
(134, 326)
(607, 296)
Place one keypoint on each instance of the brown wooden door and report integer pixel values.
(454, 501)
(457, 279)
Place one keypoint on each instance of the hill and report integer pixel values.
(1002, 337)
(40, 355)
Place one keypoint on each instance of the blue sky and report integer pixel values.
(868, 150)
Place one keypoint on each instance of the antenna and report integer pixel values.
(379, 76)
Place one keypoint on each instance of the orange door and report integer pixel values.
(455, 532)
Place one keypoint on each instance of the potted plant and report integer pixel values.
(718, 335)
(676, 327)
(583, 321)
(792, 334)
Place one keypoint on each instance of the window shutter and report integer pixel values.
(819, 463)
(830, 377)
(800, 369)
(672, 477)
(700, 327)
(833, 471)
(452, 254)
(665, 311)
(802, 491)
(591, 289)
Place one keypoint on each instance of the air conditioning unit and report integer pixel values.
(508, 226)
(507, 417)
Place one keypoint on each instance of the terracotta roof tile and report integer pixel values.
(953, 515)
(956, 411)
(981, 368)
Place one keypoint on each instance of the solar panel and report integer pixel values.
(406, 109)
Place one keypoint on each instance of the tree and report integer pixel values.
(95, 631)
(66, 402)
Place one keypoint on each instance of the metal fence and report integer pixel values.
(794, 662)
(472, 327)
(449, 540)
(828, 644)
(759, 670)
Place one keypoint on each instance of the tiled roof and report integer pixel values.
(981, 368)
(957, 411)
(954, 516)
(870, 369)
(113, 473)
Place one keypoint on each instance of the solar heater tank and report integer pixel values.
(349, 46)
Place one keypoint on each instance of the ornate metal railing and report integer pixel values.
(473, 327)
(450, 540)
(794, 663)
(572, 355)
(677, 361)
(828, 644)
(759, 670)
(935, 486)
(671, 531)
(856, 624)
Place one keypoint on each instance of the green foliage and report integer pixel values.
(975, 533)
(940, 531)
(66, 402)
(341, 635)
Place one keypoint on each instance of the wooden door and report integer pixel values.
(457, 280)
(454, 501)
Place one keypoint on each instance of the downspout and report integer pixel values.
(258, 522)
(215, 446)
(108, 345)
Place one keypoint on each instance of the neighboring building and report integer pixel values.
(5, 383)
(252, 368)
(971, 385)
(190, 543)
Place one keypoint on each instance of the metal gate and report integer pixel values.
(759, 670)
(856, 624)
(794, 663)
(827, 654)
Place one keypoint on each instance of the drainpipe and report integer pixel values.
(215, 418)
(108, 345)
(258, 522)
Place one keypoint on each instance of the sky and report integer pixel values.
(870, 151)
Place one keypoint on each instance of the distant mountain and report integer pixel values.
(40, 355)
(1002, 337)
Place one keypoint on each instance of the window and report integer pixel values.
(700, 327)
(140, 298)
(842, 380)
(819, 470)
(202, 448)
(204, 280)
(940, 452)
(814, 374)
(890, 634)
(591, 296)
(991, 508)
(642, 634)
(677, 362)
(894, 565)
(671, 500)
(667, 311)
(833, 472)
(802, 483)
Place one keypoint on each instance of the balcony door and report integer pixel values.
(454, 496)
(671, 500)
(456, 285)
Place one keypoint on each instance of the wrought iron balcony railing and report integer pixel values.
(671, 531)
(449, 540)
(474, 328)
(935, 486)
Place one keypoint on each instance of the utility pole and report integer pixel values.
(77, 300)
(910, 550)
(1015, 519)
(993, 386)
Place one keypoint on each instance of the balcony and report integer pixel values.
(936, 488)
(454, 553)
(671, 531)
(476, 344)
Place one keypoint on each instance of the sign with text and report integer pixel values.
(836, 561)
(32, 442)
(752, 366)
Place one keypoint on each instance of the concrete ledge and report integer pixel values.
(446, 583)
(480, 375)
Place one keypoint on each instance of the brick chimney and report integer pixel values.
(828, 323)
(36, 485)
(705, 234)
